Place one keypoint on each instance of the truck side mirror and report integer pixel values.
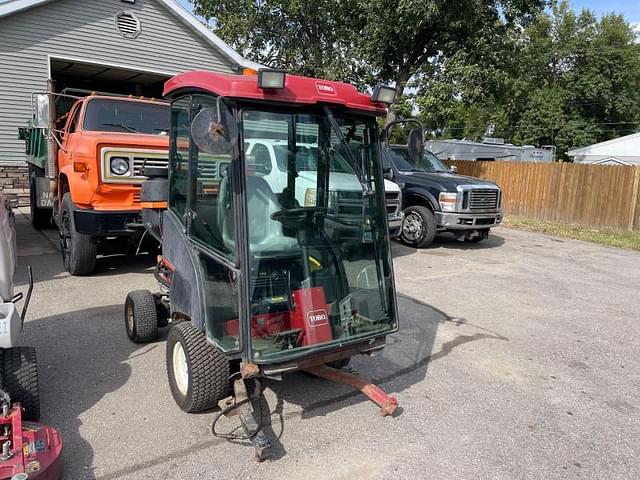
(23, 133)
(40, 105)
(214, 130)
(415, 145)
(387, 172)
(453, 169)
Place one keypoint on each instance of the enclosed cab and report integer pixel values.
(265, 262)
(434, 197)
(86, 170)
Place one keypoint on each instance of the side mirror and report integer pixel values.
(453, 169)
(415, 144)
(40, 105)
(23, 133)
(387, 173)
(214, 130)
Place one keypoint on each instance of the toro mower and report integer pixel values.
(267, 270)
(28, 449)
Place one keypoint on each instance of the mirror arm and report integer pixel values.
(57, 140)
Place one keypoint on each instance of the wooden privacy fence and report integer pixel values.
(592, 195)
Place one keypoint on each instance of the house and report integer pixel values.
(122, 46)
(619, 151)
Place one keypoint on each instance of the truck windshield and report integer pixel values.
(126, 116)
(319, 262)
(428, 163)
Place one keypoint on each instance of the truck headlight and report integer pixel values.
(448, 201)
(119, 165)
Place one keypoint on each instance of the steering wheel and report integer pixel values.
(296, 217)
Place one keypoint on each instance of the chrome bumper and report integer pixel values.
(395, 223)
(467, 221)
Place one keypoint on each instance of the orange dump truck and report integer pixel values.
(86, 167)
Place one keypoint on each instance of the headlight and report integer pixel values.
(310, 197)
(448, 201)
(119, 165)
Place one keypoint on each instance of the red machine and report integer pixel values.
(309, 316)
(30, 450)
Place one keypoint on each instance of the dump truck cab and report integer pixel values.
(268, 270)
(85, 169)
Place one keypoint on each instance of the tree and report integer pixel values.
(362, 41)
(566, 79)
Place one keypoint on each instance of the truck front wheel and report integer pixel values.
(79, 250)
(198, 372)
(418, 226)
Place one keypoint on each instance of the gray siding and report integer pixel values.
(85, 29)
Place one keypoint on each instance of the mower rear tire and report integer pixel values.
(141, 316)
(19, 370)
(198, 371)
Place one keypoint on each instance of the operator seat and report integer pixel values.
(265, 233)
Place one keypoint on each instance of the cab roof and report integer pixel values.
(302, 90)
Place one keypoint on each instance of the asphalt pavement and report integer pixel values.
(517, 358)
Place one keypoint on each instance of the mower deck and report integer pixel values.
(30, 450)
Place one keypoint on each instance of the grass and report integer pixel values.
(603, 236)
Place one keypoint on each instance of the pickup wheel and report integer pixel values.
(79, 251)
(40, 217)
(418, 227)
(198, 372)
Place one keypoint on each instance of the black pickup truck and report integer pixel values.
(435, 199)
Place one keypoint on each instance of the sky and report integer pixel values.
(630, 8)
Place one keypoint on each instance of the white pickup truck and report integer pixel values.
(269, 157)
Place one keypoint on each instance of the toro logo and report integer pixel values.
(326, 89)
(316, 318)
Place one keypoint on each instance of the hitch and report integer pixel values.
(388, 404)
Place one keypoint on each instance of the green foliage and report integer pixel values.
(361, 41)
(566, 79)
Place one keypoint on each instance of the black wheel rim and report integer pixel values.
(65, 235)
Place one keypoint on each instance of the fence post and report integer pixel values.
(635, 201)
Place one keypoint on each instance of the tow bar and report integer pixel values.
(388, 404)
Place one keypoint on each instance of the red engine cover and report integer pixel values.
(311, 315)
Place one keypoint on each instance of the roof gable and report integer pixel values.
(14, 6)
(621, 146)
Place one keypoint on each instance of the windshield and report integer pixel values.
(126, 116)
(320, 266)
(428, 163)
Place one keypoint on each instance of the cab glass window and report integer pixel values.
(213, 222)
(179, 155)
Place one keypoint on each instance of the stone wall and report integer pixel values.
(14, 183)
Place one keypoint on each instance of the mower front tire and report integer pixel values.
(198, 372)
(141, 316)
(19, 370)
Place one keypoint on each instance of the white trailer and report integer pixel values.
(490, 150)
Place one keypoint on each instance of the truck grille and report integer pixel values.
(393, 201)
(140, 161)
(483, 199)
